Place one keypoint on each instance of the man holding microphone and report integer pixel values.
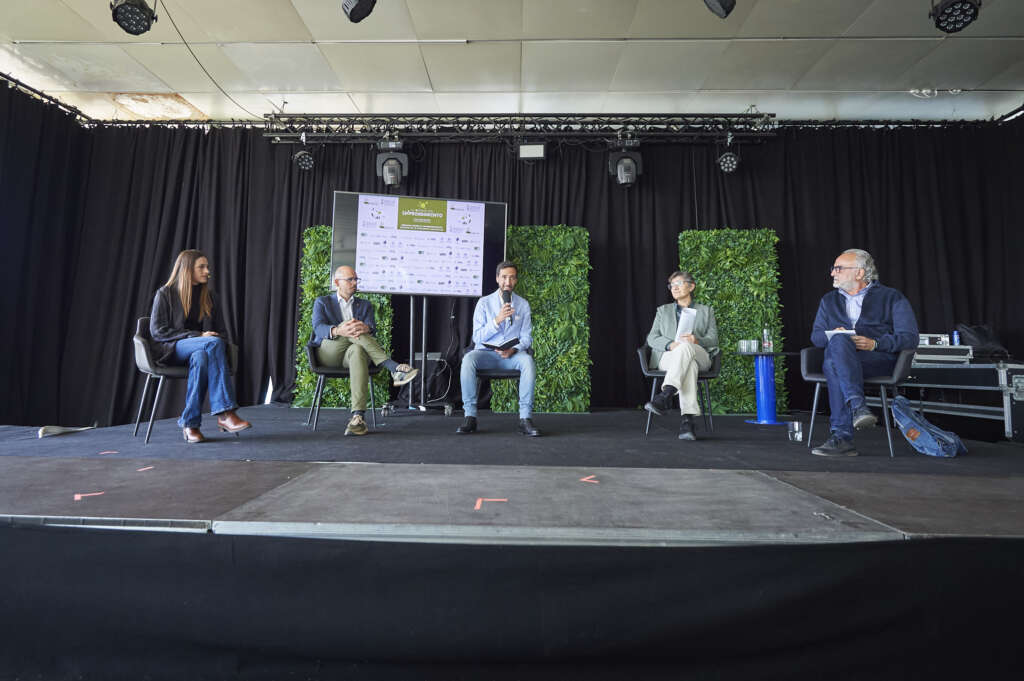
(502, 337)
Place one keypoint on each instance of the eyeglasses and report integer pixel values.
(840, 268)
(351, 280)
(674, 286)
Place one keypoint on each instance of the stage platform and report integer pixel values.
(589, 553)
(591, 479)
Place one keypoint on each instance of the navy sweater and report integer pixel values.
(886, 317)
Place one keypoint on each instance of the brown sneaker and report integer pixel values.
(356, 426)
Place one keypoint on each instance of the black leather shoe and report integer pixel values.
(468, 426)
(686, 428)
(661, 402)
(527, 428)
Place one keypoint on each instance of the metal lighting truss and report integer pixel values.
(348, 128)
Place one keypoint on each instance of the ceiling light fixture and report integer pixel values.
(728, 162)
(134, 16)
(303, 160)
(392, 164)
(357, 10)
(625, 166)
(952, 16)
(721, 7)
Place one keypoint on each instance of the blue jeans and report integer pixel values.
(845, 368)
(207, 360)
(489, 359)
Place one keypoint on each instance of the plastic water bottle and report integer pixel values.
(956, 337)
(766, 340)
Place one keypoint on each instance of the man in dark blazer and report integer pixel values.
(344, 328)
(882, 324)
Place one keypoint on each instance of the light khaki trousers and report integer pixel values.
(353, 354)
(681, 367)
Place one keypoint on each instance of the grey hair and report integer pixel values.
(865, 262)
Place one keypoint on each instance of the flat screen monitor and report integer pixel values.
(417, 245)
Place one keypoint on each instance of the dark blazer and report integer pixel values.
(327, 313)
(885, 316)
(167, 322)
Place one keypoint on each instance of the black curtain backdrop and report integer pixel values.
(93, 218)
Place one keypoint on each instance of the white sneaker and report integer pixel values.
(403, 373)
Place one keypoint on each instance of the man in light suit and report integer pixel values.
(344, 327)
(681, 355)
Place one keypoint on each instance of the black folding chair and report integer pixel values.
(704, 379)
(811, 361)
(154, 370)
(325, 372)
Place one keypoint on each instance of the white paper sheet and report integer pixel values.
(844, 332)
(686, 322)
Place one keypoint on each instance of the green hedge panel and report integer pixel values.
(554, 267)
(315, 281)
(737, 274)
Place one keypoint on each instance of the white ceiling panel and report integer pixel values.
(240, 20)
(981, 106)
(324, 19)
(675, 19)
(478, 102)
(1010, 79)
(99, 105)
(44, 20)
(865, 65)
(666, 66)
(15, 62)
(219, 107)
(562, 102)
(95, 68)
(577, 18)
(467, 19)
(174, 65)
(568, 66)
(790, 60)
(321, 103)
(485, 67)
(963, 63)
(378, 67)
(645, 102)
(222, 69)
(283, 67)
(803, 18)
(406, 103)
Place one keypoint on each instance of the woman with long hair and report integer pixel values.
(188, 329)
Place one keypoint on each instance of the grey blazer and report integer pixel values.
(663, 330)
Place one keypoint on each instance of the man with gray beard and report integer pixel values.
(882, 324)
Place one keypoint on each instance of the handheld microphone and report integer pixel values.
(506, 297)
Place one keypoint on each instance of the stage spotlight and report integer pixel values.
(721, 7)
(357, 10)
(951, 16)
(392, 166)
(625, 166)
(134, 16)
(303, 160)
(728, 162)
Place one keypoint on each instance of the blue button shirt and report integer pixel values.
(854, 303)
(519, 325)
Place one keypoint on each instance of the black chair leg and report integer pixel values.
(309, 419)
(707, 403)
(152, 413)
(814, 411)
(711, 415)
(654, 386)
(888, 427)
(142, 403)
(373, 407)
(316, 400)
